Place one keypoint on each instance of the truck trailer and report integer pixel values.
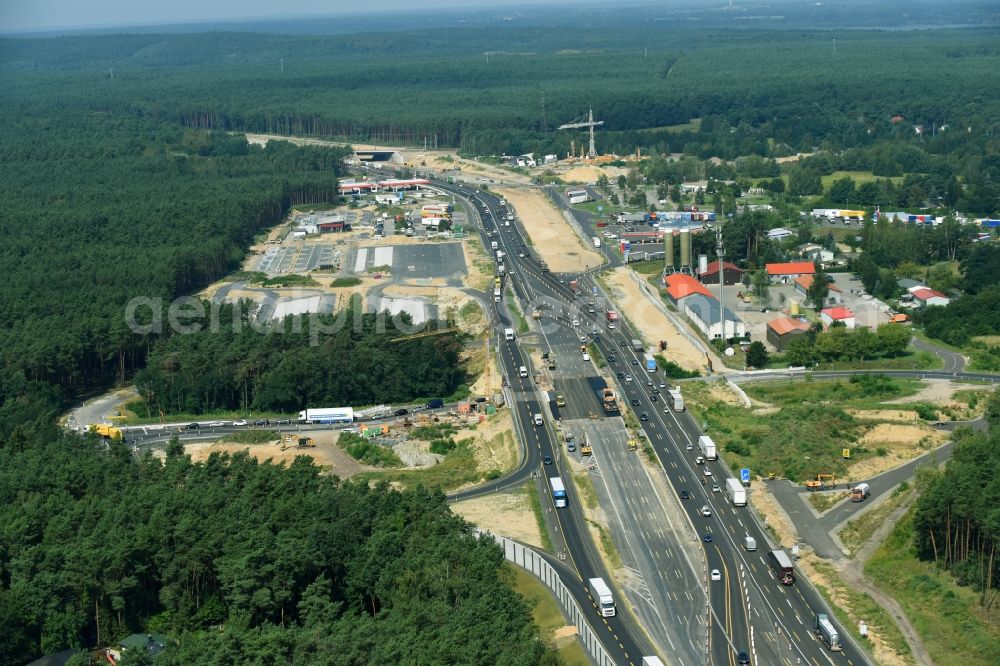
(861, 492)
(327, 415)
(737, 493)
(601, 594)
(676, 399)
(827, 632)
(707, 447)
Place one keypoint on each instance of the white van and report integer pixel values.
(508, 334)
(522, 371)
(537, 419)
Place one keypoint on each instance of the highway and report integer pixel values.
(750, 610)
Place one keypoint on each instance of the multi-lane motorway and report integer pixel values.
(750, 611)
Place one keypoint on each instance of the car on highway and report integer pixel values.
(663, 385)
(716, 488)
(402, 411)
(652, 398)
(240, 422)
(611, 358)
(707, 537)
(283, 422)
(643, 417)
(635, 362)
(262, 422)
(628, 378)
(635, 402)
(620, 375)
(216, 424)
(705, 511)
(649, 382)
(571, 447)
(547, 460)
(716, 574)
(699, 460)
(685, 494)
(192, 426)
(689, 444)
(656, 390)
(743, 659)
(583, 339)
(708, 472)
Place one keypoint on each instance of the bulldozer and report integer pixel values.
(818, 483)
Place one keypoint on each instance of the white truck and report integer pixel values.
(522, 371)
(676, 399)
(596, 240)
(861, 492)
(508, 334)
(496, 294)
(601, 594)
(494, 245)
(737, 493)
(651, 661)
(501, 270)
(750, 544)
(827, 632)
(707, 447)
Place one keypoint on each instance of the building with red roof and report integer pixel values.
(731, 273)
(833, 295)
(789, 270)
(838, 314)
(925, 297)
(782, 331)
(680, 286)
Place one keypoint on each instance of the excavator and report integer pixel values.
(818, 483)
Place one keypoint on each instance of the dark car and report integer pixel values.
(685, 494)
(620, 375)
(262, 422)
(635, 402)
(643, 417)
(283, 422)
(401, 412)
(743, 658)
(192, 426)
(653, 398)
(571, 447)
(635, 362)
(612, 359)
(436, 403)
(708, 537)
(547, 460)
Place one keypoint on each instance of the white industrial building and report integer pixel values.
(704, 312)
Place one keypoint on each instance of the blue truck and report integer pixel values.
(650, 363)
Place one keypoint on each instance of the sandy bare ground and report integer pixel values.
(550, 233)
(638, 307)
(901, 442)
(941, 392)
(507, 514)
(590, 173)
(894, 415)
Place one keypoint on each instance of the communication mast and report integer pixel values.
(589, 123)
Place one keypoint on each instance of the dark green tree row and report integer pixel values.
(839, 343)
(241, 562)
(957, 520)
(324, 361)
(102, 208)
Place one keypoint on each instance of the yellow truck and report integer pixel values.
(106, 430)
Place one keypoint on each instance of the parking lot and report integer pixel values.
(421, 261)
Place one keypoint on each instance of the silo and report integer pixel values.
(702, 263)
(670, 262)
(686, 250)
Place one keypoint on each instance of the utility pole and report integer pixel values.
(722, 283)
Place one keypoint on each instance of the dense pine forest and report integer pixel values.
(241, 562)
(350, 359)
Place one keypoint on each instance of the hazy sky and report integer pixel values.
(20, 15)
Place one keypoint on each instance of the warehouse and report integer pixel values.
(782, 331)
(839, 314)
(680, 286)
(704, 312)
(731, 273)
(783, 273)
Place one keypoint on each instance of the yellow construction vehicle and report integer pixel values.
(560, 401)
(633, 444)
(818, 483)
(585, 449)
(106, 430)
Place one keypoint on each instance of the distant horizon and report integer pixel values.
(12, 23)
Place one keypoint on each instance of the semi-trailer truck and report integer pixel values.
(327, 415)
(676, 399)
(827, 632)
(601, 594)
(737, 493)
(861, 492)
(707, 447)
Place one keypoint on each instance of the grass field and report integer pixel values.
(858, 176)
(547, 617)
(858, 531)
(692, 125)
(953, 628)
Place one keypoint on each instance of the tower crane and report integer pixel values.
(588, 123)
